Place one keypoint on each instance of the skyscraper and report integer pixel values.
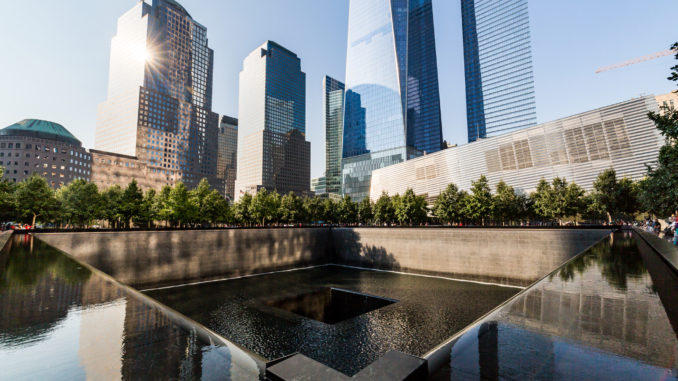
(272, 149)
(333, 117)
(498, 67)
(160, 94)
(227, 154)
(392, 103)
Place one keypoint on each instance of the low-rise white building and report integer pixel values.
(578, 148)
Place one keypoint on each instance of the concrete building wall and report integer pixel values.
(507, 256)
(116, 169)
(146, 259)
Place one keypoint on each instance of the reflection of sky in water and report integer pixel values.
(57, 351)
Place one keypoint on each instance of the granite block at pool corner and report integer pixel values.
(4, 238)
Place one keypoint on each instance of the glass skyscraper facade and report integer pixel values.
(333, 117)
(227, 154)
(392, 103)
(272, 149)
(498, 67)
(159, 101)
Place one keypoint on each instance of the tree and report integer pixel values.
(659, 191)
(347, 210)
(241, 210)
(448, 206)
(34, 198)
(410, 208)
(478, 204)
(264, 206)
(576, 201)
(184, 207)
(147, 210)
(111, 200)
(162, 205)
(291, 208)
(80, 202)
(611, 197)
(365, 211)
(383, 209)
(541, 200)
(505, 201)
(330, 211)
(8, 209)
(130, 203)
(214, 208)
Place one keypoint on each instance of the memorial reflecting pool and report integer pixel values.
(61, 320)
(609, 314)
(423, 313)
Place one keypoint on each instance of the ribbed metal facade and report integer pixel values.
(577, 148)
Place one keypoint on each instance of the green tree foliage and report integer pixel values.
(347, 210)
(365, 211)
(506, 203)
(130, 203)
(330, 211)
(314, 209)
(214, 208)
(241, 210)
(449, 205)
(34, 198)
(410, 208)
(147, 210)
(162, 205)
(384, 212)
(659, 191)
(8, 208)
(112, 200)
(264, 207)
(184, 209)
(541, 200)
(613, 198)
(478, 205)
(292, 209)
(80, 202)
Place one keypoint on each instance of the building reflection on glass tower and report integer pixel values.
(159, 99)
(392, 103)
(498, 67)
(333, 117)
(227, 154)
(273, 153)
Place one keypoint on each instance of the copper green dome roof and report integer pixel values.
(41, 129)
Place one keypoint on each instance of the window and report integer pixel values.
(10, 145)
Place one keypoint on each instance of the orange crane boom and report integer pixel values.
(634, 61)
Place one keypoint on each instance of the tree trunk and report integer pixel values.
(34, 217)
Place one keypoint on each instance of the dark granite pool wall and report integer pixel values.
(507, 256)
(4, 237)
(156, 258)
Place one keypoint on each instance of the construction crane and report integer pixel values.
(634, 61)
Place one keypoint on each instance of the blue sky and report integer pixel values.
(54, 55)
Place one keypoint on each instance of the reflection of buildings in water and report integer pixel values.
(588, 310)
(100, 342)
(156, 347)
(27, 313)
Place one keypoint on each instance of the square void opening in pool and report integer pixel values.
(345, 318)
(330, 305)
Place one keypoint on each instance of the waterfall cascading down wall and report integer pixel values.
(158, 258)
